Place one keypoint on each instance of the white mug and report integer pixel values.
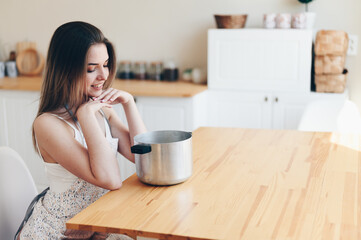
(283, 20)
(299, 20)
(11, 69)
(2, 69)
(269, 20)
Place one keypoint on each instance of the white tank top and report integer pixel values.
(61, 179)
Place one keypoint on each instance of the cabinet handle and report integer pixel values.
(265, 99)
(276, 99)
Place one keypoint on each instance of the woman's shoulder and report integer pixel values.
(48, 120)
(45, 117)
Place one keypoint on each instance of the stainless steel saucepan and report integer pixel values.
(163, 157)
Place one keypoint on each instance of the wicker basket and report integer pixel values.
(331, 83)
(329, 64)
(231, 21)
(330, 42)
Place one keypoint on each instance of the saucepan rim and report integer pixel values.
(162, 136)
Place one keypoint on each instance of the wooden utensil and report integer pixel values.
(30, 62)
(20, 46)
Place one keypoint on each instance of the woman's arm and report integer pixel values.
(135, 123)
(97, 164)
(103, 162)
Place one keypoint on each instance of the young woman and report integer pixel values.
(76, 131)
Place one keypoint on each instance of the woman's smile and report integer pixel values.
(98, 86)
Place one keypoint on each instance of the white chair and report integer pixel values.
(17, 190)
(331, 116)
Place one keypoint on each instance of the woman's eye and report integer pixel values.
(91, 70)
(106, 65)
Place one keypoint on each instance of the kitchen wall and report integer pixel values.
(165, 29)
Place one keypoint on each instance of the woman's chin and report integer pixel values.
(94, 94)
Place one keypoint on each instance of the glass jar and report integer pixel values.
(140, 70)
(155, 71)
(170, 72)
(125, 70)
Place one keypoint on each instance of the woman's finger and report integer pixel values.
(110, 95)
(104, 93)
(97, 104)
(114, 95)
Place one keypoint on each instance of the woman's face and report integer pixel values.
(97, 69)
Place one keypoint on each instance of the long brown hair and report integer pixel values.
(66, 65)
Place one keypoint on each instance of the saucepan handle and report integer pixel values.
(141, 148)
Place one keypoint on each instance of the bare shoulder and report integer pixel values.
(48, 123)
(45, 119)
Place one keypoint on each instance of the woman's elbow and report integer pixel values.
(113, 185)
(116, 186)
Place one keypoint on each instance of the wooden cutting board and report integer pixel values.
(20, 46)
(29, 61)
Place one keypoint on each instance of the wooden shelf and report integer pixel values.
(134, 87)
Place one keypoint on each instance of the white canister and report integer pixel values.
(198, 76)
(283, 20)
(299, 20)
(310, 19)
(2, 69)
(11, 69)
(269, 20)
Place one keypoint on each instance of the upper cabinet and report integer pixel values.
(260, 59)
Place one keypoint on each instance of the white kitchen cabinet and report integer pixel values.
(260, 78)
(232, 109)
(288, 108)
(274, 110)
(259, 59)
(169, 113)
(18, 111)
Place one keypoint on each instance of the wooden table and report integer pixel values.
(246, 184)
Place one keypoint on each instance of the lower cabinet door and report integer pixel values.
(239, 109)
(287, 110)
(126, 167)
(19, 109)
(163, 113)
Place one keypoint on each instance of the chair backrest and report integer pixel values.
(17, 190)
(331, 116)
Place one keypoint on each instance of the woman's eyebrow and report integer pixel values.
(94, 64)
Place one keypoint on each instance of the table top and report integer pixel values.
(246, 184)
(135, 87)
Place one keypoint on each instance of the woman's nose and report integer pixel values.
(103, 73)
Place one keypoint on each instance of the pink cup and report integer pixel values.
(299, 20)
(283, 20)
(269, 20)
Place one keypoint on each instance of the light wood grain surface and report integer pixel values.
(134, 87)
(246, 184)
